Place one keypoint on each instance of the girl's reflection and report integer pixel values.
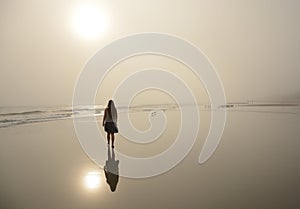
(111, 170)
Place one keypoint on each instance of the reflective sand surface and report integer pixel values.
(255, 166)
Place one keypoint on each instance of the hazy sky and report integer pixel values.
(254, 44)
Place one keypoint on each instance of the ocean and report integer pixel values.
(12, 116)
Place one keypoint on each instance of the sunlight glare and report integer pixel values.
(92, 180)
(89, 21)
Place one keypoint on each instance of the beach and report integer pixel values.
(256, 165)
(200, 102)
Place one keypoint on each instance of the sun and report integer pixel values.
(89, 21)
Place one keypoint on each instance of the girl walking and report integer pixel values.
(110, 122)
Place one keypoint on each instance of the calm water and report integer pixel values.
(255, 166)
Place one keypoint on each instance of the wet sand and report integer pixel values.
(255, 166)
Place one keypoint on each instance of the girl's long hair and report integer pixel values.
(112, 111)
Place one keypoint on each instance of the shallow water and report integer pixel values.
(256, 165)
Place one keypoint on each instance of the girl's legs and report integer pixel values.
(112, 140)
(108, 137)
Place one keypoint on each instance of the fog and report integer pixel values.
(254, 45)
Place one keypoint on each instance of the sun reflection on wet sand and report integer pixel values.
(92, 180)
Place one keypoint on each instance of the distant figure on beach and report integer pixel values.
(111, 170)
(110, 122)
